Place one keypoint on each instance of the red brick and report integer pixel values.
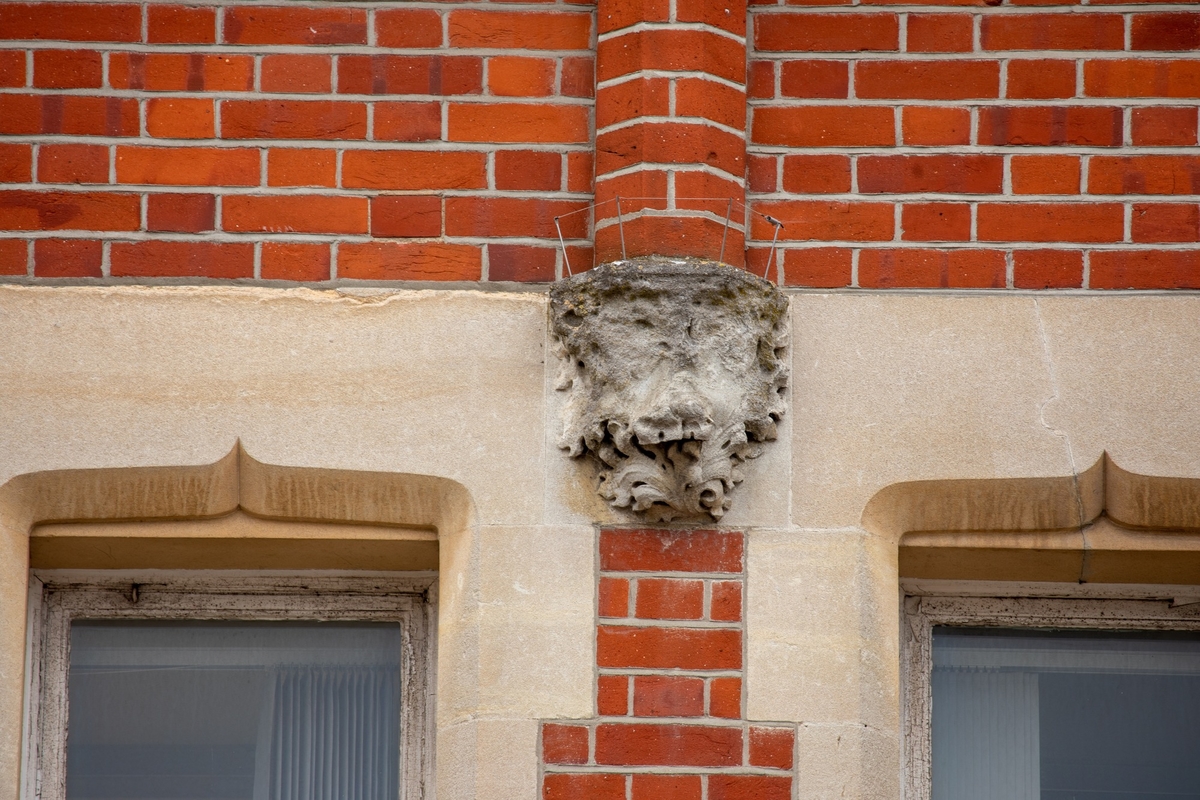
(178, 72)
(730, 17)
(512, 216)
(1177, 31)
(180, 25)
(14, 257)
(181, 213)
(761, 173)
(666, 648)
(640, 97)
(155, 259)
(412, 261)
(614, 597)
(518, 122)
(583, 787)
(749, 787)
(971, 174)
(1050, 222)
(287, 261)
(698, 97)
(760, 80)
(827, 220)
(188, 166)
(521, 76)
(295, 25)
(670, 551)
(936, 222)
(668, 745)
(1053, 32)
(725, 698)
(1051, 125)
(530, 30)
(1138, 78)
(670, 143)
(293, 119)
(612, 695)
(297, 74)
(1144, 175)
(664, 598)
(68, 114)
(830, 33)
(72, 163)
(180, 118)
(935, 127)
(67, 258)
(294, 214)
(1040, 78)
(408, 122)
(1164, 126)
(816, 267)
(408, 27)
(580, 171)
(523, 263)
(301, 166)
(703, 191)
(1045, 174)
(668, 696)
(67, 69)
(564, 744)
(613, 15)
(815, 79)
(927, 80)
(1047, 269)
(406, 216)
(72, 22)
(668, 49)
(683, 235)
(413, 170)
(83, 211)
(578, 77)
(16, 162)
(1166, 222)
(1145, 269)
(666, 787)
(12, 68)
(825, 126)
(726, 604)
(940, 33)
(391, 75)
(816, 174)
(772, 747)
(941, 269)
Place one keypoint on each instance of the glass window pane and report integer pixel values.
(1065, 715)
(233, 711)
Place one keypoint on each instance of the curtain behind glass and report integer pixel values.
(1065, 715)
(233, 711)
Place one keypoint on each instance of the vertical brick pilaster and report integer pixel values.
(670, 127)
(670, 638)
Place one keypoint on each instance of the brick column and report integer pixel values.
(669, 649)
(670, 124)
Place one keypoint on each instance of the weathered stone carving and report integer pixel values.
(676, 373)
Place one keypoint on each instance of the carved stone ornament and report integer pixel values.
(676, 371)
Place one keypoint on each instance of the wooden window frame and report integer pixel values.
(59, 597)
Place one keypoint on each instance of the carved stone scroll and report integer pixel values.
(676, 370)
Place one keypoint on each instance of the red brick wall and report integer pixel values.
(669, 649)
(1025, 144)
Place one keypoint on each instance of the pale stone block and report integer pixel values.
(486, 759)
(840, 760)
(822, 631)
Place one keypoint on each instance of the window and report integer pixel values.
(1028, 698)
(232, 689)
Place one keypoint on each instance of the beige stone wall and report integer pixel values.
(458, 385)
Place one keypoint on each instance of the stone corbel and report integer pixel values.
(677, 370)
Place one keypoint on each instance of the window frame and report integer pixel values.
(58, 598)
(1086, 606)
